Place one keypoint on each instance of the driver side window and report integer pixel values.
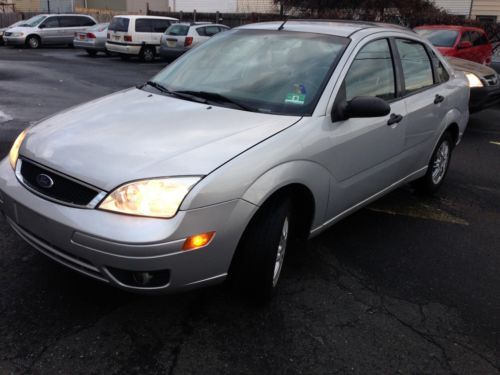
(51, 23)
(371, 73)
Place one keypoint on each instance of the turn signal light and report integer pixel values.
(188, 41)
(197, 241)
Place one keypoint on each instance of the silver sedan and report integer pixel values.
(240, 150)
(92, 40)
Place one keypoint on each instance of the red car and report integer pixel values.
(465, 42)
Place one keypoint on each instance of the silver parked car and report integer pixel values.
(93, 40)
(181, 37)
(241, 149)
(4, 29)
(47, 29)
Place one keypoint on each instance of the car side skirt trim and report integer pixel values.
(359, 205)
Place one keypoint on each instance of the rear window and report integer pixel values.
(439, 37)
(119, 24)
(177, 30)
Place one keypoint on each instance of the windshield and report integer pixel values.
(439, 37)
(119, 24)
(33, 21)
(278, 72)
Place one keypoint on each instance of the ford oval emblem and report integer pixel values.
(44, 181)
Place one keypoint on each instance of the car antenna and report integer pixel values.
(283, 24)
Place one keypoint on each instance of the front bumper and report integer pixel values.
(14, 41)
(95, 242)
(484, 97)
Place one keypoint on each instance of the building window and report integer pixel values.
(487, 19)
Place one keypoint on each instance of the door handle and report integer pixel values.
(394, 119)
(438, 99)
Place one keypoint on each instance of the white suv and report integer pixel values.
(137, 35)
(181, 37)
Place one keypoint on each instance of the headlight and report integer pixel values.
(17, 35)
(14, 151)
(474, 81)
(155, 198)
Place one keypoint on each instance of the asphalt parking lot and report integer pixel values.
(407, 285)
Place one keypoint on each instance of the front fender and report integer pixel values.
(309, 174)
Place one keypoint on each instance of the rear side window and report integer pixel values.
(75, 21)
(439, 37)
(119, 24)
(143, 25)
(478, 39)
(417, 67)
(159, 26)
(371, 73)
(51, 22)
(178, 30)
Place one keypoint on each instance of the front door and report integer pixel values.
(363, 154)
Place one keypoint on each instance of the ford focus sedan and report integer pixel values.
(235, 154)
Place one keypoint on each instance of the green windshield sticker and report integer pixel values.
(295, 98)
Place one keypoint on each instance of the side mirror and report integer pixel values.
(464, 45)
(42, 27)
(361, 106)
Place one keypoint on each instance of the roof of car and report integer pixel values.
(449, 27)
(141, 16)
(343, 28)
(64, 14)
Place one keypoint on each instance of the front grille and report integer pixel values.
(62, 188)
(491, 80)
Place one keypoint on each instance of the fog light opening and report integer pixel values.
(198, 241)
(141, 279)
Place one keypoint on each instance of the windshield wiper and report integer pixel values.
(178, 94)
(216, 97)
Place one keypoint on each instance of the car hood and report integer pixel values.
(470, 66)
(135, 135)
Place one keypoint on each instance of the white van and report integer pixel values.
(137, 35)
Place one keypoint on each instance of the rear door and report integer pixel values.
(425, 97)
(118, 28)
(143, 31)
(482, 47)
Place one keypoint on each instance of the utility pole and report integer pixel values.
(48, 6)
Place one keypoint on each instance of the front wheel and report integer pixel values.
(33, 42)
(438, 166)
(260, 256)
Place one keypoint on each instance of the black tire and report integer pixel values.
(148, 54)
(33, 42)
(91, 53)
(436, 171)
(254, 267)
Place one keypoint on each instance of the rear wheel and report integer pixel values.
(438, 166)
(33, 42)
(260, 256)
(91, 52)
(148, 54)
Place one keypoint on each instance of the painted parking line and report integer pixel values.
(419, 211)
(4, 117)
(495, 143)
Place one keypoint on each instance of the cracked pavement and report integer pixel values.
(407, 285)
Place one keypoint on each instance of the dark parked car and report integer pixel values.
(484, 83)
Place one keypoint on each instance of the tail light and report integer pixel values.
(127, 38)
(188, 41)
(90, 36)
